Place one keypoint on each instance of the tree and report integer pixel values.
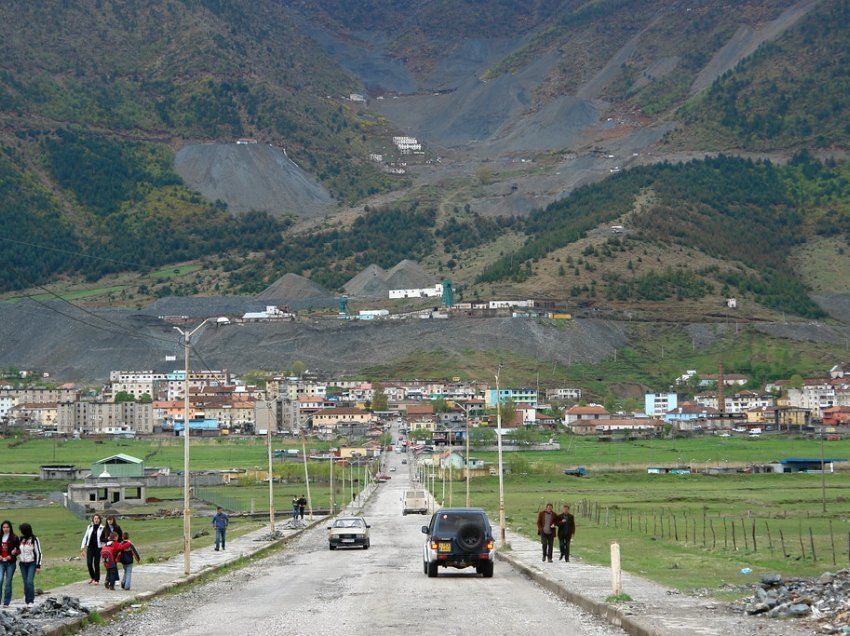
(440, 405)
(298, 368)
(123, 396)
(385, 439)
(420, 434)
(482, 436)
(256, 378)
(146, 398)
(379, 398)
(507, 410)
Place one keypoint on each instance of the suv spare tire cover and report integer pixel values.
(470, 537)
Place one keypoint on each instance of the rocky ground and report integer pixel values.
(825, 601)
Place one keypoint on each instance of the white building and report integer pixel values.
(422, 292)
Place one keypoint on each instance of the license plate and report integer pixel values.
(348, 540)
(445, 547)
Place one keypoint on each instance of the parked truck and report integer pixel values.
(581, 471)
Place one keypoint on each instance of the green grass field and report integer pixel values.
(646, 514)
(617, 500)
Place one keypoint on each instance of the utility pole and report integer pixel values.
(187, 513)
(271, 464)
(501, 470)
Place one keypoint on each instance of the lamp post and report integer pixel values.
(271, 465)
(187, 514)
(501, 470)
(304, 455)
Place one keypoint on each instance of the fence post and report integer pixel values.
(616, 578)
(755, 547)
(744, 533)
(769, 539)
(812, 543)
(734, 540)
(782, 541)
(832, 541)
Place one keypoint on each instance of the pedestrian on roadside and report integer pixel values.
(546, 528)
(220, 521)
(8, 560)
(109, 527)
(566, 531)
(110, 554)
(302, 504)
(90, 548)
(296, 507)
(128, 556)
(30, 561)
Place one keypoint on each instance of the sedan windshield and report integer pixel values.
(348, 523)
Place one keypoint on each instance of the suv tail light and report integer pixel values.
(491, 544)
(435, 545)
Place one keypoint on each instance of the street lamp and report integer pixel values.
(501, 470)
(187, 520)
(271, 465)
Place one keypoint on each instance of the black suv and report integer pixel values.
(459, 538)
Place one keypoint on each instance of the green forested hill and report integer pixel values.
(97, 95)
(790, 93)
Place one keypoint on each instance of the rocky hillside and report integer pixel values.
(118, 124)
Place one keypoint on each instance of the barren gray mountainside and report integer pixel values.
(78, 346)
(293, 286)
(251, 176)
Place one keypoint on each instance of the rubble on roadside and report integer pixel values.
(52, 608)
(16, 625)
(270, 536)
(824, 601)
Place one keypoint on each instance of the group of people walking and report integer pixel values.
(107, 544)
(550, 524)
(22, 550)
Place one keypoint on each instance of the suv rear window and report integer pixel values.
(451, 522)
(415, 494)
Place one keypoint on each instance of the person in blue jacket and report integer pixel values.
(220, 521)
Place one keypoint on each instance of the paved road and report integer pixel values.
(308, 589)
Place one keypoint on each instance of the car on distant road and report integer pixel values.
(348, 532)
(459, 538)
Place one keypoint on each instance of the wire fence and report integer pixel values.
(777, 538)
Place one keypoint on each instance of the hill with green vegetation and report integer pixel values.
(543, 124)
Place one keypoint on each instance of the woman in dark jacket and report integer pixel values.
(8, 560)
(109, 527)
(90, 548)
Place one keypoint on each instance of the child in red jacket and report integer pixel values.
(110, 555)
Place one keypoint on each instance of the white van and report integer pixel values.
(415, 501)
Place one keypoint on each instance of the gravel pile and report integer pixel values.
(270, 536)
(15, 624)
(53, 608)
(826, 600)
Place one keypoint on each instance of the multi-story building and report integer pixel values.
(565, 393)
(104, 417)
(815, 395)
(517, 396)
(657, 404)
